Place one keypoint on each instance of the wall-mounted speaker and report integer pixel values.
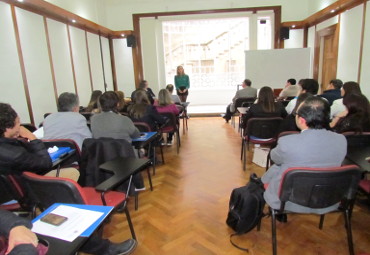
(131, 41)
(284, 33)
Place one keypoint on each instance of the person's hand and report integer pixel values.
(21, 235)
(25, 133)
(185, 90)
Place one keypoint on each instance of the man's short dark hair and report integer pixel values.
(248, 82)
(142, 84)
(310, 86)
(337, 83)
(7, 118)
(292, 81)
(67, 101)
(316, 111)
(108, 101)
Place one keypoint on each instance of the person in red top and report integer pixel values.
(165, 104)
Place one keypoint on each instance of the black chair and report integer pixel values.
(318, 188)
(241, 102)
(357, 139)
(266, 129)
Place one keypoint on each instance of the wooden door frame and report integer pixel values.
(332, 30)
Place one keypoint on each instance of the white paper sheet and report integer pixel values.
(78, 221)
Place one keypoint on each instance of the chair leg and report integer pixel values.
(241, 153)
(150, 179)
(130, 223)
(273, 228)
(244, 157)
(178, 142)
(322, 218)
(349, 231)
(136, 201)
(161, 147)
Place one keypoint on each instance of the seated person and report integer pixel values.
(247, 91)
(265, 107)
(93, 104)
(27, 154)
(166, 105)
(122, 105)
(348, 88)
(290, 89)
(109, 123)
(21, 240)
(67, 123)
(142, 111)
(332, 91)
(355, 118)
(307, 86)
(175, 98)
(149, 93)
(315, 146)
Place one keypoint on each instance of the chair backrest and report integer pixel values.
(319, 187)
(172, 124)
(244, 101)
(98, 151)
(12, 187)
(143, 127)
(46, 190)
(263, 127)
(65, 143)
(357, 139)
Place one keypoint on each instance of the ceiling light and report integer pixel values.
(20, 1)
(332, 11)
(74, 21)
(123, 35)
(293, 26)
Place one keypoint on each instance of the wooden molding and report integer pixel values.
(332, 10)
(21, 62)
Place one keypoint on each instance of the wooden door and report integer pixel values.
(326, 55)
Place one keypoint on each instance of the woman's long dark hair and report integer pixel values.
(139, 108)
(266, 99)
(358, 110)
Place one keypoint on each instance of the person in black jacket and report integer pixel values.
(31, 155)
(149, 92)
(265, 107)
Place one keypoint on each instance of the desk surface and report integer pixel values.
(358, 155)
(122, 169)
(141, 143)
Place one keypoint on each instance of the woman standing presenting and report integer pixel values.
(182, 84)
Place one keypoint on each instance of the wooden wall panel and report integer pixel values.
(11, 84)
(61, 57)
(107, 63)
(81, 67)
(95, 61)
(36, 62)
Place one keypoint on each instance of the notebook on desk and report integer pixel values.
(59, 153)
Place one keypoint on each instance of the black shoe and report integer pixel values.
(226, 119)
(282, 218)
(124, 248)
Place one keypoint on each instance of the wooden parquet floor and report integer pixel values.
(186, 212)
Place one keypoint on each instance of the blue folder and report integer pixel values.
(60, 152)
(144, 136)
(98, 208)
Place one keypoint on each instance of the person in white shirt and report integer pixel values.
(348, 88)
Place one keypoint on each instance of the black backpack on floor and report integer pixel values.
(246, 208)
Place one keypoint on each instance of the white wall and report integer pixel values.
(349, 44)
(33, 30)
(295, 39)
(124, 66)
(11, 84)
(36, 61)
(365, 74)
(61, 56)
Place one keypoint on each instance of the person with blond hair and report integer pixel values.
(182, 84)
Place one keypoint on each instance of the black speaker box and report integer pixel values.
(284, 33)
(131, 41)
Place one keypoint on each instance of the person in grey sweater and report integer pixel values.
(109, 123)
